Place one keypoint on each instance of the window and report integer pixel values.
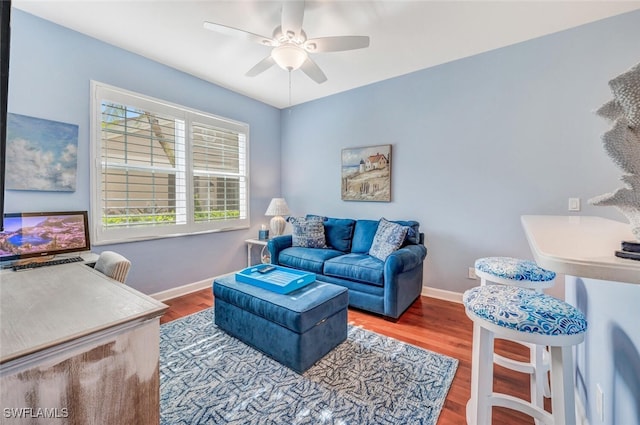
(162, 169)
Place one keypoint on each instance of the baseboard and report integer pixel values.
(189, 288)
(182, 290)
(442, 294)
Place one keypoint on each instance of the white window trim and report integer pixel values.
(99, 235)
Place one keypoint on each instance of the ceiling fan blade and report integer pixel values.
(235, 32)
(261, 66)
(292, 16)
(336, 44)
(313, 71)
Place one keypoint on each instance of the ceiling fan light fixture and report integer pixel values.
(289, 56)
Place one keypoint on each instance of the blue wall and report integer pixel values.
(51, 68)
(476, 143)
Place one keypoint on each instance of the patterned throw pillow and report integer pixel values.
(308, 232)
(389, 237)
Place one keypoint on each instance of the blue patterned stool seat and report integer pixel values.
(514, 271)
(523, 310)
(525, 316)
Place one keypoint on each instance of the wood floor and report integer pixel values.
(433, 324)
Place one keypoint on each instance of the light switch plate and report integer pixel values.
(574, 204)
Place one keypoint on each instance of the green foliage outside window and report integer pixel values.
(146, 219)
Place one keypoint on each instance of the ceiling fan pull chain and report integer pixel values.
(289, 88)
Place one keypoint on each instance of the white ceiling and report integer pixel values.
(405, 35)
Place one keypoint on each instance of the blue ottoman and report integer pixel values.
(296, 329)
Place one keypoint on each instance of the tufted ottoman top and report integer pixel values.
(514, 269)
(297, 311)
(524, 310)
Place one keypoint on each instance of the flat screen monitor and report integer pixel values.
(40, 234)
(5, 33)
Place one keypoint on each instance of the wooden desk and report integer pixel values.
(79, 344)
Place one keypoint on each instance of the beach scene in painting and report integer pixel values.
(366, 173)
(41, 154)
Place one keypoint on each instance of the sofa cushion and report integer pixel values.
(308, 232)
(365, 230)
(413, 233)
(309, 259)
(388, 238)
(339, 232)
(358, 267)
(363, 234)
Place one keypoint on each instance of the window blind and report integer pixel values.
(164, 169)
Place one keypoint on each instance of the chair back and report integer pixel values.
(113, 265)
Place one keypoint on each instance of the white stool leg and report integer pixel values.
(563, 403)
(546, 356)
(538, 377)
(479, 406)
(543, 365)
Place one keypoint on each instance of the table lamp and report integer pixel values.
(277, 208)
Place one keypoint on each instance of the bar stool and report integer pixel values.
(519, 314)
(523, 274)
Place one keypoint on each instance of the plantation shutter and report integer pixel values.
(164, 170)
(219, 175)
(142, 167)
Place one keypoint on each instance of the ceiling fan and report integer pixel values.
(291, 47)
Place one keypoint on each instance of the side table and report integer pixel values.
(264, 254)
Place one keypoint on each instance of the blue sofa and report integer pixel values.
(386, 287)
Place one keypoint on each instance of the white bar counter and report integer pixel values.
(600, 285)
(581, 246)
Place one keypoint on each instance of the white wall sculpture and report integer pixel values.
(622, 144)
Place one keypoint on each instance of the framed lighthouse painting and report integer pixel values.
(366, 173)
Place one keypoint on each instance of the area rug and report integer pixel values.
(209, 377)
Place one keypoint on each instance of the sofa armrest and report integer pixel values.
(404, 259)
(277, 244)
(403, 279)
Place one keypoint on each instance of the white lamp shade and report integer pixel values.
(289, 56)
(277, 206)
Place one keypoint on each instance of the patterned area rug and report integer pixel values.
(209, 377)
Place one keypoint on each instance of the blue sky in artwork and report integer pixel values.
(41, 154)
(11, 224)
(351, 157)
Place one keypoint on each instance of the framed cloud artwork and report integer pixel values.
(366, 173)
(41, 154)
